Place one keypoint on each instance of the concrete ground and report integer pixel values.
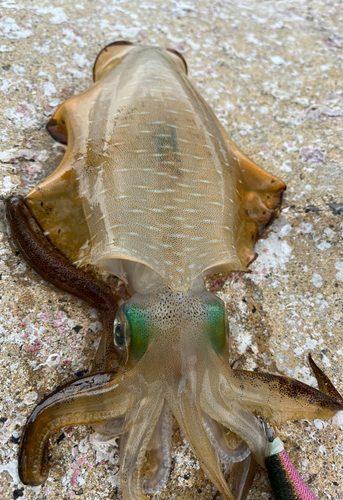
(273, 73)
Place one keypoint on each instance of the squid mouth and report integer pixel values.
(179, 367)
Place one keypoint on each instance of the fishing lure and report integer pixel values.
(153, 190)
(284, 479)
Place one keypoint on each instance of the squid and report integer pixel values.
(153, 190)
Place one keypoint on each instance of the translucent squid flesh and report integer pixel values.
(154, 191)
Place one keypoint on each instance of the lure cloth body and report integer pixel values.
(285, 481)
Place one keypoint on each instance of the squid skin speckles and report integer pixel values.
(154, 191)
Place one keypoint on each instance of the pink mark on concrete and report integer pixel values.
(319, 112)
(60, 319)
(312, 155)
(44, 317)
(62, 331)
(31, 170)
(22, 109)
(32, 348)
(74, 477)
(81, 460)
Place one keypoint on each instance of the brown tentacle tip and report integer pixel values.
(324, 383)
(28, 471)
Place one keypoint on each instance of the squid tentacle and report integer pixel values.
(218, 439)
(90, 400)
(160, 447)
(186, 408)
(108, 432)
(139, 426)
(219, 402)
(240, 478)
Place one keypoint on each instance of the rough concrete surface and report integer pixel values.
(273, 73)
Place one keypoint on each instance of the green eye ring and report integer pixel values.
(217, 326)
(139, 326)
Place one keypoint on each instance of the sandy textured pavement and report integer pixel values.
(273, 73)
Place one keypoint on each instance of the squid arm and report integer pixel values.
(278, 399)
(90, 400)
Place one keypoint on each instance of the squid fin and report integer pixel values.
(109, 57)
(261, 196)
(112, 55)
(261, 192)
(56, 204)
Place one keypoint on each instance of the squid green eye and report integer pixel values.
(119, 334)
(139, 327)
(217, 326)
